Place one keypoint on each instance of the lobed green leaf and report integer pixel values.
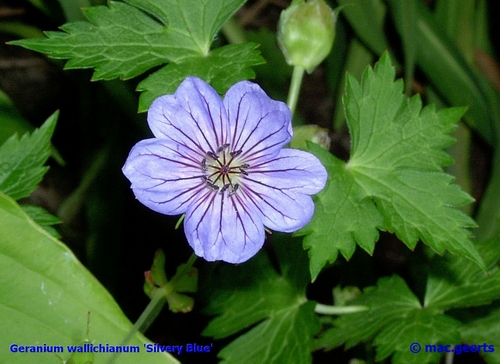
(118, 41)
(127, 39)
(343, 216)
(255, 294)
(223, 67)
(457, 282)
(396, 319)
(193, 21)
(394, 179)
(22, 160)
(43, 218)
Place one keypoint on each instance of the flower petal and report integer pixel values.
(280, 189)
(292, 169)
(164, 177)
(281, 210)
(219, 227)
(260, 126)
(194, 115)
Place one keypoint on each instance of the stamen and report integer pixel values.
(212, 155)
(224, 188)
(212, 186)
(222, 170)
(222, 147)
(235, 188)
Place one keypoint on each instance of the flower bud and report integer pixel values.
(310, 133)
(306, 31)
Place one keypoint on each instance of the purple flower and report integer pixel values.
(221, 163)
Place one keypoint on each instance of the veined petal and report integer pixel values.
(221, 163)
(281, 209)
(164, 177)
(292, 170)
(194, 115)
(260, 126)
(280, 189)
(219, 227)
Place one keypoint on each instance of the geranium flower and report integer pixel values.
(221, 163)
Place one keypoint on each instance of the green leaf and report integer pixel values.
(457, 282)
(46, 294)
(118, 41)
(223, 67)
(343, 216)
(11, 121)
(255, 294)
(394, 312)
(125, 40)
(284, 338)
(194, 22)
(43, 218)
(394, 179)
(22, 159)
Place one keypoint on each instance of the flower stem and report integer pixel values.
(338, 310)
(233, 32)
(70, 207)
(293, 93)
(152, 309)
(146, 319)
(191, 260)
(186, 268)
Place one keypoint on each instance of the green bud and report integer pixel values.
(178, 302)
(310, 133)
(342, 296)
(306, 31)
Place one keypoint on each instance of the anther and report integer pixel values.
(212, 155)
(211, 185)
(246, 165)
(235, 188)
(235, 153)
(243, 171)
(222, 147)
(224, 188)
(204, 164)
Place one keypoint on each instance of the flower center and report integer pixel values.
(224, 169)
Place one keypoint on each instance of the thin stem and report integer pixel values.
(449, 358)
(70, 207)
(293, 93)
(233, 32)
(186, 268)
(338, 310)
(191, 260)
(489, 209)
(152, 309)
(146, 319)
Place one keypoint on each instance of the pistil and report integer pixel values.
(223, 170)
